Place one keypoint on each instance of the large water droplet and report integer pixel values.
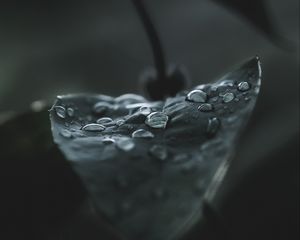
(227, 83)
(105, 121)
(205, 107)
(213, 126)
(60, 111)
(159, 152)
(101, 107)
(125, 144)
(120, 122)
(70, 112)
(141, 133)
(145, 110)
(93, 127)
(108, 141)
(197, 96)
(66, 133)
(243, 86)
(228, 97)
(157, 120)
(130, 98)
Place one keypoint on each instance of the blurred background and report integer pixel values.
(50, 48)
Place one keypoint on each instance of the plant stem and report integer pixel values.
(159, 59)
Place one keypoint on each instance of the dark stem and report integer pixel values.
(159, 59)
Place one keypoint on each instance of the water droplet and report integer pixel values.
(206, 107)
(247, 99)
(130, 98)
(141, 133)
(66, 133)
(108, 141)
(157, 120)
(70, 112)
(197, 96)
(227, 83)
(159, 152)
(145, 110)
(243, 86)
(60, 111)
(93, 127)
(201, 86)
(213, 126)
(105, 121)
(228, 97)
(236, 99)
(125, 144)
(120, 122)
(101, 107)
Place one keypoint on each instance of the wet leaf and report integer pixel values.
(150, 167)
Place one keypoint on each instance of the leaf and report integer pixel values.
(148, 166)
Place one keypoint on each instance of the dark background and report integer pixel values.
(55, 47)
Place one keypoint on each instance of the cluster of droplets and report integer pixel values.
(153, 119)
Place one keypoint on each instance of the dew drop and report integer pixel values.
(120, 122)
(60, 111)
(243, 86)
(101, 107)
(159, 152)
(70, 112)
(157, 120)
(227, 83)
(205, 107)
(213, 126)
(66, 133)
(130, 98)
(104, 121)
(228, 97)
(145, 110)
(93, 127)
(108, 141)
(141, 133)
(125, 144)
(197, 96)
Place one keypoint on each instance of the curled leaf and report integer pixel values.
(148, 166)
